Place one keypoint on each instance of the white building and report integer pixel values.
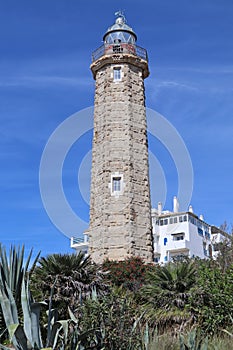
(180, 233)
(176, 234)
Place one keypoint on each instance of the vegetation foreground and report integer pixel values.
(67, 302)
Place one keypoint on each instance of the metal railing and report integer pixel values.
(111, 49)
(77, 240)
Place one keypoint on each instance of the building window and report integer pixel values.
(204, 249)
(117, 74)
(175, 220)
(200, 231)
(192, 220)
(116, 184)
(210, 251)
(178, 238)
(171, 220)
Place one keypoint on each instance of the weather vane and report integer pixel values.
(120, 14)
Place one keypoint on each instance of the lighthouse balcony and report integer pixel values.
(119, 48)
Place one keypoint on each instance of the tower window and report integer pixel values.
(116, 184)
(117, 75)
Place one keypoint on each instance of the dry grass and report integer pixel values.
(168, 342)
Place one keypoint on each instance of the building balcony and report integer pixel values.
(181, 245)
(121, 48)
(80, 244)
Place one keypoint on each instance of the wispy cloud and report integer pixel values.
(203, 69)
(175, 84)
(40, 81)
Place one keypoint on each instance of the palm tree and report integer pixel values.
(72, 277)
(166, 294)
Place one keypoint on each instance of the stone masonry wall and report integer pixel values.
(120, 226)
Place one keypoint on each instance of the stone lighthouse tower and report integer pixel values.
(120, 207)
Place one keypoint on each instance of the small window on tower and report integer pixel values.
(117, 74)
(116, 184)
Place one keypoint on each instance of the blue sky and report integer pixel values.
(45, 55)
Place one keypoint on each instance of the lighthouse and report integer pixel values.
(120, 207)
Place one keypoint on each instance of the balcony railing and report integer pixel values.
(80, 240)
(111, 49)
(76, 240)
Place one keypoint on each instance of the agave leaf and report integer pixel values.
(28, 260)
(26, 312)
(5, 304)
(94, 294)
(13, 306)
(31, 316)
(65, 327)
(17, 271)
(50, 314)
(146, 336)
(56, 328)
(192, 339)
(4, 347)
(9, 310)
(73, 318)
(33, 264)
(182, 345)
(19, 339)
(53, 315)
(6, 308)
(136, 322)
(35, 324)
(4, 265)
(12, 329)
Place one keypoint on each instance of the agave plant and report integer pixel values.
(194, 341)
(22, 314)
(26, 335)
(13, 267)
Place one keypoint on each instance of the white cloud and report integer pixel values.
(39, 81)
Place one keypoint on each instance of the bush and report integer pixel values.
(129, 273)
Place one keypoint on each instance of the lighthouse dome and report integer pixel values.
(119, 32)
